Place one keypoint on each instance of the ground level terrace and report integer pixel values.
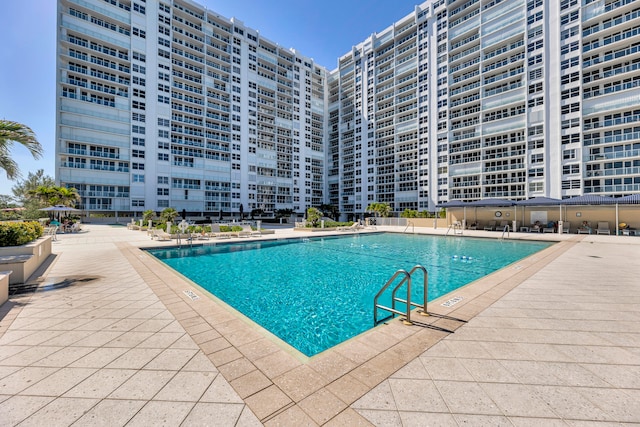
(112, 338)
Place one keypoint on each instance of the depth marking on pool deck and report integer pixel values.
(452, 301)
(191, 295)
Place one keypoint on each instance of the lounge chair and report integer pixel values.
(585, 228)
(503, 224)
(247, 231)
(603, 228)
(566, 227)
(160, 234)
(549, 228)
(353, 227)
(215, 232)
(491, 226)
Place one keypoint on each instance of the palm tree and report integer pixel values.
(11, 132)
(67, 196)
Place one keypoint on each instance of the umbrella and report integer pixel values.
(60, 208)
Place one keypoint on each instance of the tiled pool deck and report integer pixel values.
(550, 340)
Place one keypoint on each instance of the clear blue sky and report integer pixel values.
(321, 30)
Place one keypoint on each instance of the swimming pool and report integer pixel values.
(317, 292)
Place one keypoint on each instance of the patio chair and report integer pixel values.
(160, 234)
(247, 231)
(603, 228)
(566, 227)
(491, 226)
(585, 228)
(503, 224)
(353, 227)
(217, 233)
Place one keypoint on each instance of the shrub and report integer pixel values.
(19, 233)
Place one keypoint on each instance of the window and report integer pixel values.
(569, 154)
(571, 62)
(537, 158)
(136, 177)
(164, 157)
(571, 108)
(535, 88)
(569, 17)
(535, 74)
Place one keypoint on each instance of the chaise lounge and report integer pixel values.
(603, 228)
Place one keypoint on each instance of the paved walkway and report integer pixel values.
(551, 340)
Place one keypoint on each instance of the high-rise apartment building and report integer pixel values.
(167, 104)
(164, 103)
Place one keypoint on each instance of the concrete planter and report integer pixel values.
(4, 286)
(24, 260)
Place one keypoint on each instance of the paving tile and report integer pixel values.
(186, 386)
(98, 358)
(570, 404)
(135, 358)
(250, 383)
(419, 419)
(143, 385)
(322, 406)
(300, 382)
(110, 413)
(380, 398)
(17, 408)
(60, 412)
(199, 363)
(292, 416)
(268, 401)
(161, 340)
(29, 356)
(486, 420)
(276, 363)
(518, 400)
(59, 382)
(463, 397)
(25, 377)
(101, 384)
(224, 414)
(171, 359)
(348, 389)
(220, 392)
(381, 417)
(161, 413)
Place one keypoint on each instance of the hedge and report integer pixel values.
(19, 233)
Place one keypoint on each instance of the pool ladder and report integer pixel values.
(409, 224)
(456, 227)
(406, 279)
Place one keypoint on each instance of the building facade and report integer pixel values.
(167, 104)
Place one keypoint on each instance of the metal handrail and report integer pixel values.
(506, 230)
(410, 223)
(455, 226)
(394, 298)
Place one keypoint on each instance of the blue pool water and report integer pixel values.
(315, 293)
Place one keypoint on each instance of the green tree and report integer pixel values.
(147, 216)
(409, 213)
(313, 216)
(380, 209)
(21, 190)
(168, 215)
(11, 132)
(67, 196)
(329, 210)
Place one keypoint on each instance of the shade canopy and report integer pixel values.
(491, 203)
(453, 204)
(539, 201)
(633, 199)
(59, 208)
(590, 199)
